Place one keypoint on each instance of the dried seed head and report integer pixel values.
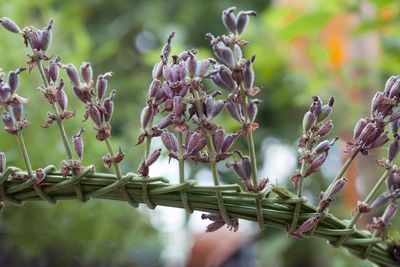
(18, 112)
(322, 147)
(308, 121)
(8, 120)
(237, 52)
(228, 142)
(192, 143)
(202, 68)
(316, 105)
(40, 175)
(252, 109)
(101, 86)
(73, 75)
(86, 72)
(3, 161)
(78, 143)
(169, 141)
(109, 106)
(178, 106)
(316, 163)
(243, 20)
(234, 110)
(326, 110)
(229, 19)
(9, 25)
(224, 53)
(381, 200)
(392, 87)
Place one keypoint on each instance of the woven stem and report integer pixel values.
(277, 209)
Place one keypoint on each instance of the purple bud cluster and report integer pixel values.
(218, 222)
(13, 118)
(315, 126)
(98, 107)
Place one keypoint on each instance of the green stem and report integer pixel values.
(24, 153)
(180, 159)
(367, 200)
(299, 191)
(112, 154)
(250, 139)
(57, 114)
(345, 166)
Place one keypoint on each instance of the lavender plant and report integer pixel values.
(181, 111)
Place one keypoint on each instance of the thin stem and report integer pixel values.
(345, 166)
(250, 139)
(180, 159)
(57, 114)
(299, 191)
(24, 153)
(112, 154)
(368, 198)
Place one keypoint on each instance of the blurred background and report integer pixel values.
(345, 48)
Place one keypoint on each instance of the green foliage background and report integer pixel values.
(101, 233)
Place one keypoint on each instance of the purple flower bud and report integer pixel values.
(167, 73)
(191, 65)
(202, 68)
(95, 115)
(152, 157)
(316, 163)
(166, 50)
(17, 111)
(376, 101)
(224, 53)
(358, 129)
(5, 93)
(145, 117)
(157, 71)
(8, 120)
(217, 80)
(326, 110)
(192, 143)
(381, 200)
(234, 110)
(175, 72)
(9, 25)
(178, 106)
(334, 188)
(229, 19)
(218, 140)
(394, 126)
(239, 170)
(243, 20)
(166, 121)
(325, 128)
(393, 87)
(316, 105)
(324, 146)
(40, 175)
(154, 88)
(307, 226)
(237, 52)
(228, 141)
(53, 71)
(35, 39)
(308, 121)
(3, 161)
(73, 75)
(212, 107)
(248, 73)
(246, 166)
(80, 94)
(109, 106)
(181, 71)
(226, 77)
(46, 37)
(252, 109)
(169, 141)
(13, 81)
(78, 143)
(380, 141)
(393, 149)
(101, 86)
(86, 72)
(62, 98)
(389, 213)
(393, 181)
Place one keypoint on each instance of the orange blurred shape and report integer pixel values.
(335, 36)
